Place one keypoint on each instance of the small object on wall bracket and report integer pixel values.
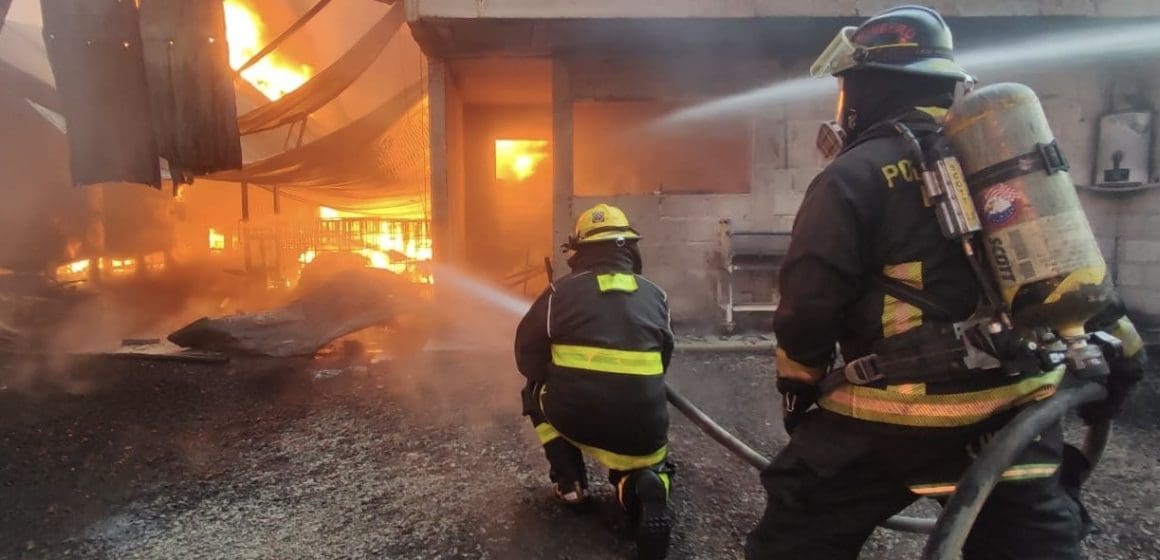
(1123, 151)
(1117, 174)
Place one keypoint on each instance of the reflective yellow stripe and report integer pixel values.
(546, 432)
(898, 316)
(936, 112)
(620, 486)
(789, 368)
(908, 388)
(608, 361)
(1030, 471)
(616, 282)
(891, 46)
(933, 489)
(1129, 337)
(619, 462)
(1016, 472)
(922, 410)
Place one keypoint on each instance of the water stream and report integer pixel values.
(1006, 60)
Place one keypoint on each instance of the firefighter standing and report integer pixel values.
(864, 233)
(594, 348)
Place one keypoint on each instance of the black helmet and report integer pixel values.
(908, 39)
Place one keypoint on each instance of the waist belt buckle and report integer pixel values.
(863, 371)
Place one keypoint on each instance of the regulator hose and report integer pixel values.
(747, 454)
(961, 510)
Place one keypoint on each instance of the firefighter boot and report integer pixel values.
(569, 477)
(654, 520)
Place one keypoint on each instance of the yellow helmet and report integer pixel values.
(601, 223)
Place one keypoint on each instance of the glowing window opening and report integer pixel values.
(517, 160)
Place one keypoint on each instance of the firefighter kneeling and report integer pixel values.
(594, 348)
(870, 270)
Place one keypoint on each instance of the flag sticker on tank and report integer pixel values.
(1001, 205)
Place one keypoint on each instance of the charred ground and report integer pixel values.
(420, 459)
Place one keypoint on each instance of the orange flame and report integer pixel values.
(273, 74)
(76, 270)
(388, 250)
(122, 264)
(516, 160)
(217, 240)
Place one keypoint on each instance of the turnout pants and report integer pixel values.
(566, 463)
(839, 478)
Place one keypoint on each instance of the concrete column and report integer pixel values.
(561, 161)
(441, 234)
(245, 201)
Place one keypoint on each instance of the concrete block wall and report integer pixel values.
(1125, 224)
(681, 246)
(681, 242)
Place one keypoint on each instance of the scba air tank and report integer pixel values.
(1040, 247)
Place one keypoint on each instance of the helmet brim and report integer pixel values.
(932, 67)
(609, 236)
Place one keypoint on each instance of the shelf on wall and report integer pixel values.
(1113, 189)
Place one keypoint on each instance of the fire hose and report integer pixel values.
(747, 454)
(959, 513)
(949, 531)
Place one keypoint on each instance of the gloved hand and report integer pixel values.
(1126, 372)
(796, 398)
(528, 396)
(1123, 348)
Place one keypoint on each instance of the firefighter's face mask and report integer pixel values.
(840, 56)
(832, 136)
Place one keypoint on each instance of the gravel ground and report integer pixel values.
(424, 459)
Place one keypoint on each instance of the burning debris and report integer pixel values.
(31, 307)
(344, 303)
(274, 75)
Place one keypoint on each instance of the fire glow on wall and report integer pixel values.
(517, 160)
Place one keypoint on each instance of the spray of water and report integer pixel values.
(787, 91)
(1064, 49)
(1034, 54)
(482, 291)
